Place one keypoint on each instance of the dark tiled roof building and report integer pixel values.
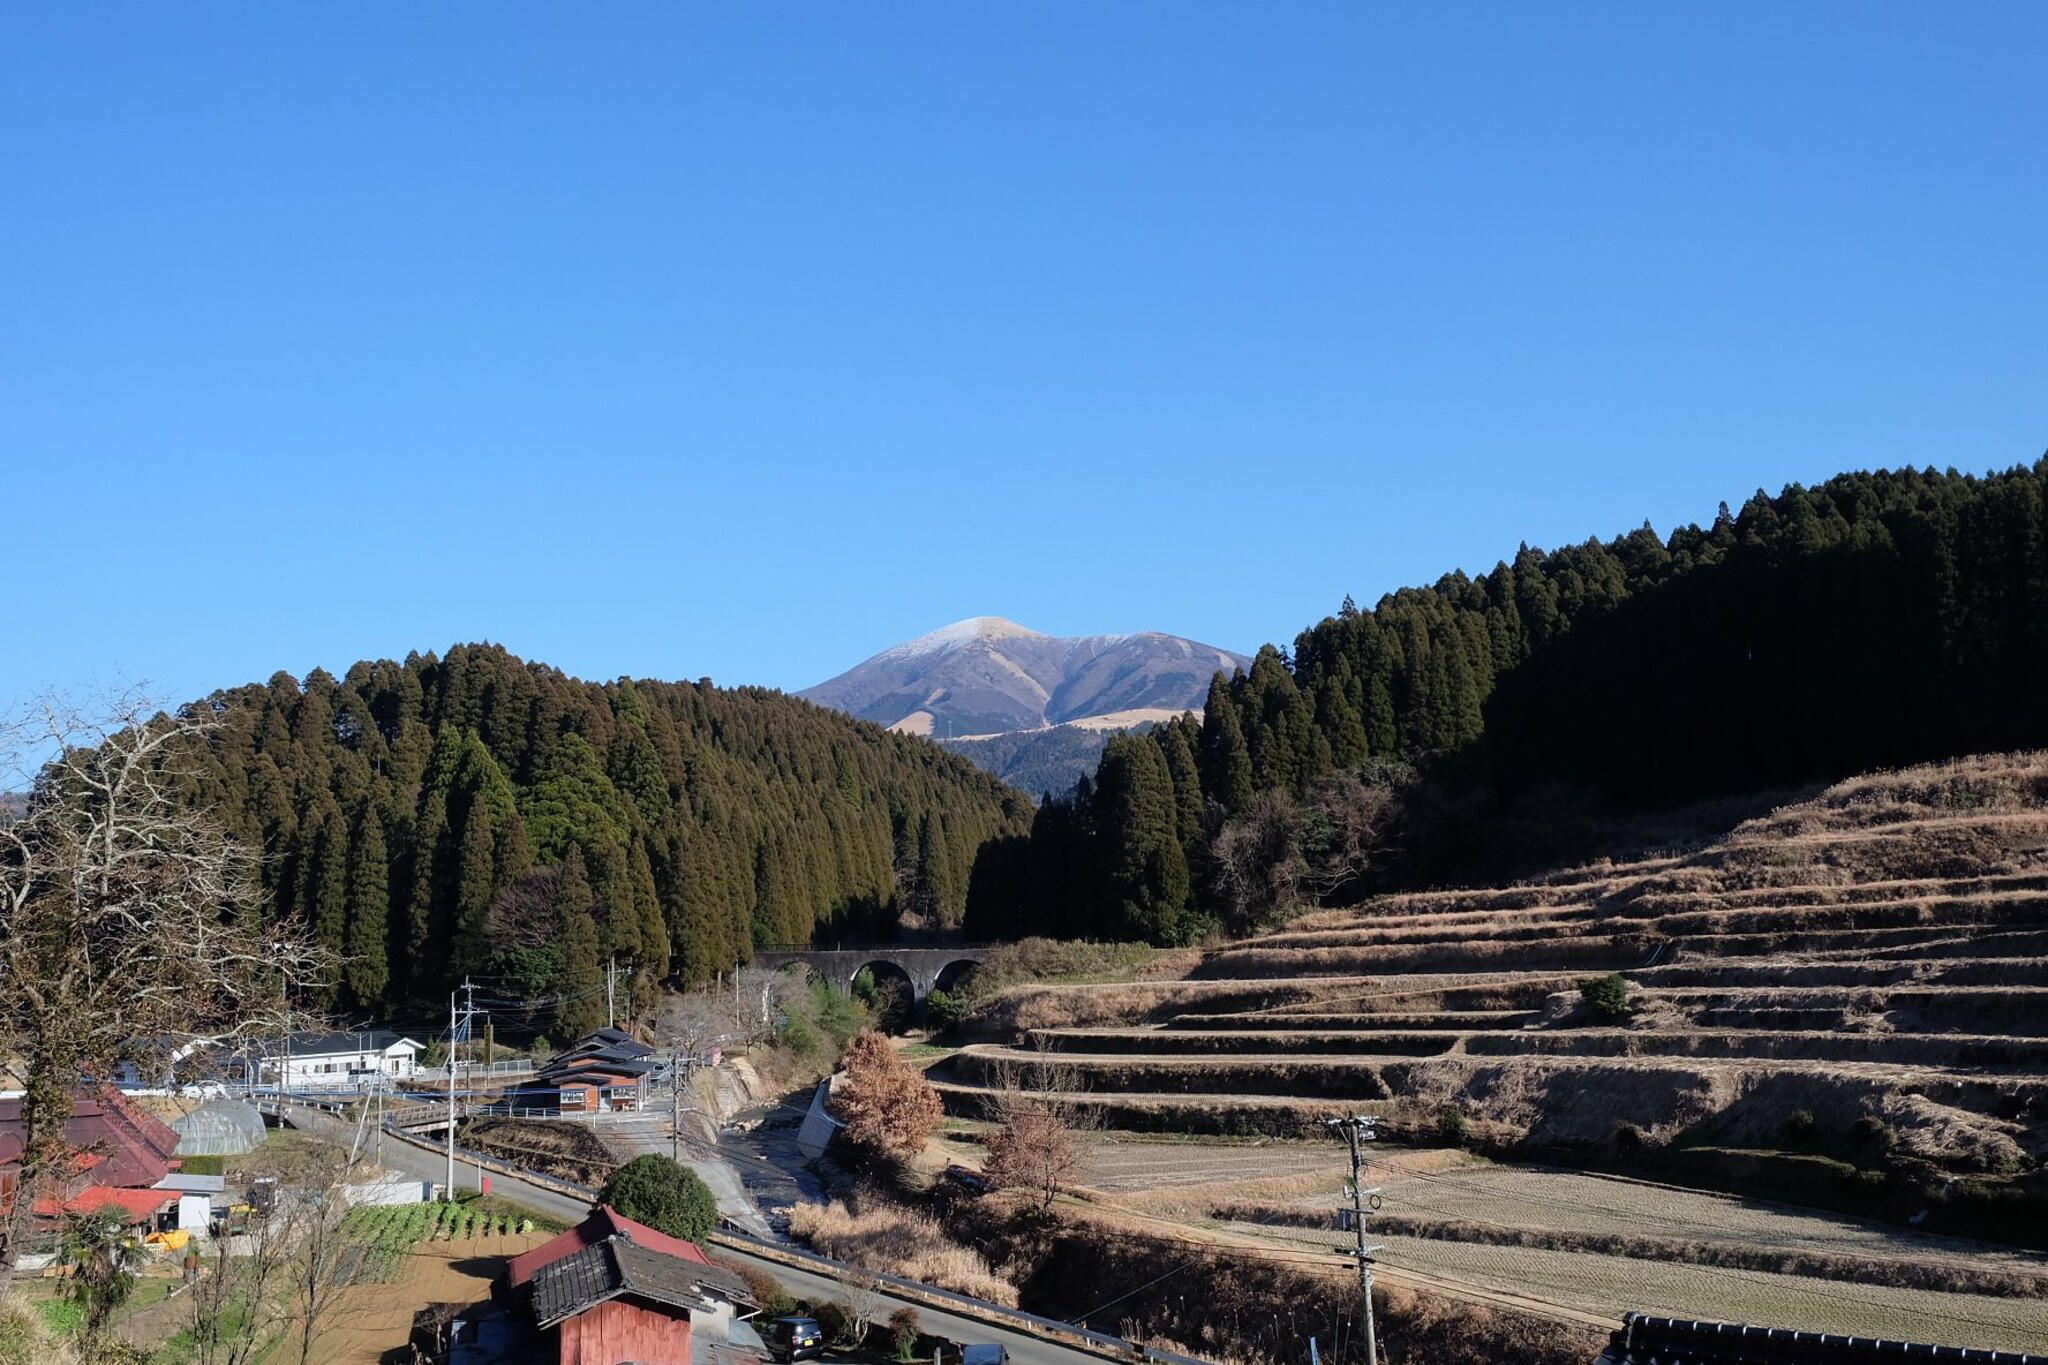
(610, 1289)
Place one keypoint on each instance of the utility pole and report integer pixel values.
(611, 971)
(1357, 1129)
(457, 1029)
(448, 1190)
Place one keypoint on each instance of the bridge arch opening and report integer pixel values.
(801, 971)
(954, 975)
(889, 993)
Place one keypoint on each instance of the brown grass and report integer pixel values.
(879, 1234)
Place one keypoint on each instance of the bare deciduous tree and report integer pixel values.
(691, 1024)
(1346, 829)
(128, 918)
(1040, 1139)
(756, 1001)
(284, 1275)
(1278, 852)
(523, 913)
(240, 1298)
(864, 1303)
(325, 1256)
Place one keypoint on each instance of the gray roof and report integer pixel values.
(608, 1042)
(608, 1270)
(193, 1184)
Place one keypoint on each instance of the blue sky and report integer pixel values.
(744, 341)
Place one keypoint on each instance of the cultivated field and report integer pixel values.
(1845, 1001)
(374, 1319)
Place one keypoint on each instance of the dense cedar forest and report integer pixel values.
(1877, 619)
(479, 815)
(476, 814)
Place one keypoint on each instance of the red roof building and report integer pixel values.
(611, 1289)
(134, 1206)
(603, 1224)
(123, 1147)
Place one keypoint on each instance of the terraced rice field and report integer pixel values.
(1285, 1195)
(1870, 966)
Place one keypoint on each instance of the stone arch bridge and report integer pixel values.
(927, 967)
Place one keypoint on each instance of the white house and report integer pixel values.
(332, 1061)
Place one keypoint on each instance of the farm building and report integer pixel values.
(121, 1146)
(329, 1061)
(609, 1289)
(124, 1159)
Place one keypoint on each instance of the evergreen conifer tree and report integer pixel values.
(324, 879)
(582, 981)
(366, 971)
(1187, 784)
(1226, 761)
(474, 890)
(933, 870)
(1147, 872)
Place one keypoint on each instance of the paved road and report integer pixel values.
(1024, 1349)
(641, 1133)
(421, 1164)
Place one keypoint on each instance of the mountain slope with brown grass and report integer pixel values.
(1843, 1002)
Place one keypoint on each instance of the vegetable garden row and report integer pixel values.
(387, 1232)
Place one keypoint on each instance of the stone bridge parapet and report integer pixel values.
(927, 965)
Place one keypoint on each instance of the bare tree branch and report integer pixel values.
(130, 923)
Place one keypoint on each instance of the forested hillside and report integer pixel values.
(480, 814)
(1879, 618)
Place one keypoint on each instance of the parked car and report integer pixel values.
(794, 1338)
(972, 1181)
(984, 1355)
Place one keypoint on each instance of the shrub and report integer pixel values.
(1606, 996)
(775, 1301)
(833, 1320)
(1451, 1126)
(904, 1330)
(663, 1194)
(943, 1009)
(1799, 1125)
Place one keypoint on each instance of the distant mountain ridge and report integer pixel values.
(989, 676)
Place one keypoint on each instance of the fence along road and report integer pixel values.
(962, 1319)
